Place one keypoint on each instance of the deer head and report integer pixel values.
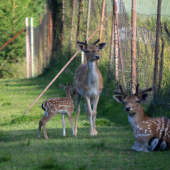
(131, 102)
(91, 51)
(68, 89)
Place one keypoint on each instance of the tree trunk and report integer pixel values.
(116, 47)
(62, 24)
(71, 31)
(133, 48)
(157, 49)
(162, 61)
(78, 24)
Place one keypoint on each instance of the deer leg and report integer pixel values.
(140, 147)
(95, 102)
(44, 121)
(71, 122)
(40, 124)
(63, 119)
(89, 113)
(78, 97)
(136, 146)
(39, 129)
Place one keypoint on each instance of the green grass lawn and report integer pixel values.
(110, 149)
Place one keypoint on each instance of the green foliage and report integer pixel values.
(12, 19)
(2, 133)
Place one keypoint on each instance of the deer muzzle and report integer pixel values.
(127, 109)
(97, 57)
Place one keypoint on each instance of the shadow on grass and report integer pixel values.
(5, 157)
(57, 134)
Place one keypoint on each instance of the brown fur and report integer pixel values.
(54, 106)
(145, 128)
(88, 82)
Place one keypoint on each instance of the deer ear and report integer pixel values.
(101, 46)
(118, 98)
(143, 97)
(61, 86)
(69, 85)
(81, 47)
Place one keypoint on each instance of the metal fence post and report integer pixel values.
(39, 48)
(27, 48)
(32, 48)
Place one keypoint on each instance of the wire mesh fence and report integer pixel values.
(39, 46)
(145, 41)
(80, 18)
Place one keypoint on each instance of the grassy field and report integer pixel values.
(20, 148)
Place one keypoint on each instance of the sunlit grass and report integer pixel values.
(110, 149)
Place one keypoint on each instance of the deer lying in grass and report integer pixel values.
(54, 106)
(88, 82)
(151, 134)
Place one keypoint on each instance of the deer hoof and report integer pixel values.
(46, 138)
(95, 132)
(92, 133)
(136, 148)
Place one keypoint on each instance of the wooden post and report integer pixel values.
(44, 54)
(32, 48)
(62, 24)
(116, 47)
(88, 19)
(51, 34)
(27, 47)
(162, 60)
(79, 17)
(101, 29)
(72, 23)
(48, 39)
(120, 50)
(78, 29)
(54, 30)
(133, 48)
(103, 12)
(155, 86)
(111, 58)
(39, 48)
(88, 23)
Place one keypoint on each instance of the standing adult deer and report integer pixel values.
(54, 106)
(88, 82)
(151, 134)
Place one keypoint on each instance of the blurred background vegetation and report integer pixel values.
(12, 57)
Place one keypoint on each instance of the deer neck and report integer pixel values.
(138, 117)
(92, 72)
(69, 95)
